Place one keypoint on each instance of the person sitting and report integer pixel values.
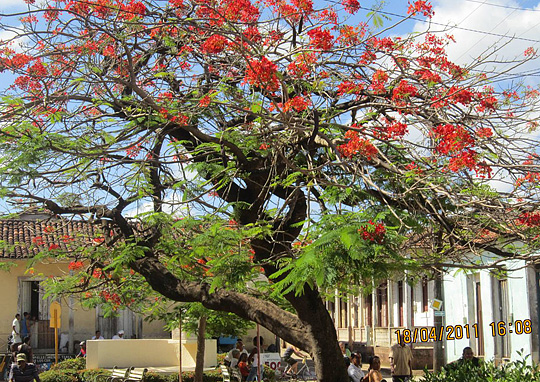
(243, 366)
(119, 335)
(374, 371)
(467, 357)
(229, 357)
(26, 349)
(355, 368)
(98, 336)
(235, 358)
(293, 363)
(82, 352)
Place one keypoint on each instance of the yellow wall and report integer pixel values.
(84, 319)
(147, 353)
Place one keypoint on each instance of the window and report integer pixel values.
(400, 303)
(382, 304)
(424, 295)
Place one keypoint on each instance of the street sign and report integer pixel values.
(438, 313)
(56, 311)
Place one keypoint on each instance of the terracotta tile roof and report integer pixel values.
(21, 239)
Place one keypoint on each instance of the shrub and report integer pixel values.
(62, 375)
(221, 358)
(90, 375)
(187, 376)
(517, 371)
(70, 364)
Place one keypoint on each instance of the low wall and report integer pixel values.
(155, 353)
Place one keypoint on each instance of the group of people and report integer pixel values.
(400, 364)
(82, 352)
(246, 363)
(22, 369)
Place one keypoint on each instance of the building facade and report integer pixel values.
(496, 316)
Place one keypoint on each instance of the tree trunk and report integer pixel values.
(329, 362)
(312, 329)
(199, 359)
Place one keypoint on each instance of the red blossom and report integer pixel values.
(205, 101)
(75, 265)
(262, 73)
(529, 52)
(373, 232)
(38, 240)
(264, 146)
(529, 219)
(420, 6)
(357, 145)
(351, 6)
(214, 44)
(452, 138)
(484, 132)
(53, 247)
(321, 39)
(403, 90)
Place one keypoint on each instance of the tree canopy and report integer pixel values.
(251, 155)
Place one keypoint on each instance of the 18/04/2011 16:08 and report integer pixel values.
(457, 332)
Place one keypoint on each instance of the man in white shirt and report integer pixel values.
(98, 336)
(355, 368)
(119, 336)
(16, 332)
(240, 347)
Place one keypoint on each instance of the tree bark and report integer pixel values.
(199, 359)
(312, 329)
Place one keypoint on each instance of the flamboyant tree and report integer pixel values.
(277, 150)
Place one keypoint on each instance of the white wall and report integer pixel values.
(460, 304)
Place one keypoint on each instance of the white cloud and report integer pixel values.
(464, 17)
(11, 5)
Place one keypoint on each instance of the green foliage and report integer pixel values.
(338, 255)
(60, 375)
(187, 376)
(70, 364)
(517, 371)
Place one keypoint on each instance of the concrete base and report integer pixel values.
(152, 354)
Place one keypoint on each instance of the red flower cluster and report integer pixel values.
(75, 265)
(530, 219)
(373, 232)
(297, 103)
(357, 145)
(391, 131)
(452, 138)
(402, 91)
(349, 87)
(420, 6)
(351, 6)
(262, 73)
(321, 39)
(378, 81)
(38, 240)
(111, 297)
(484, 132)
(214, 44)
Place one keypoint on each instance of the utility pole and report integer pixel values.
(438, 322)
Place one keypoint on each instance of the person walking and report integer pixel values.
(23, 371)
(400, 361)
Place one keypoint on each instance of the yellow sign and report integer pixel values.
(56, 311)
